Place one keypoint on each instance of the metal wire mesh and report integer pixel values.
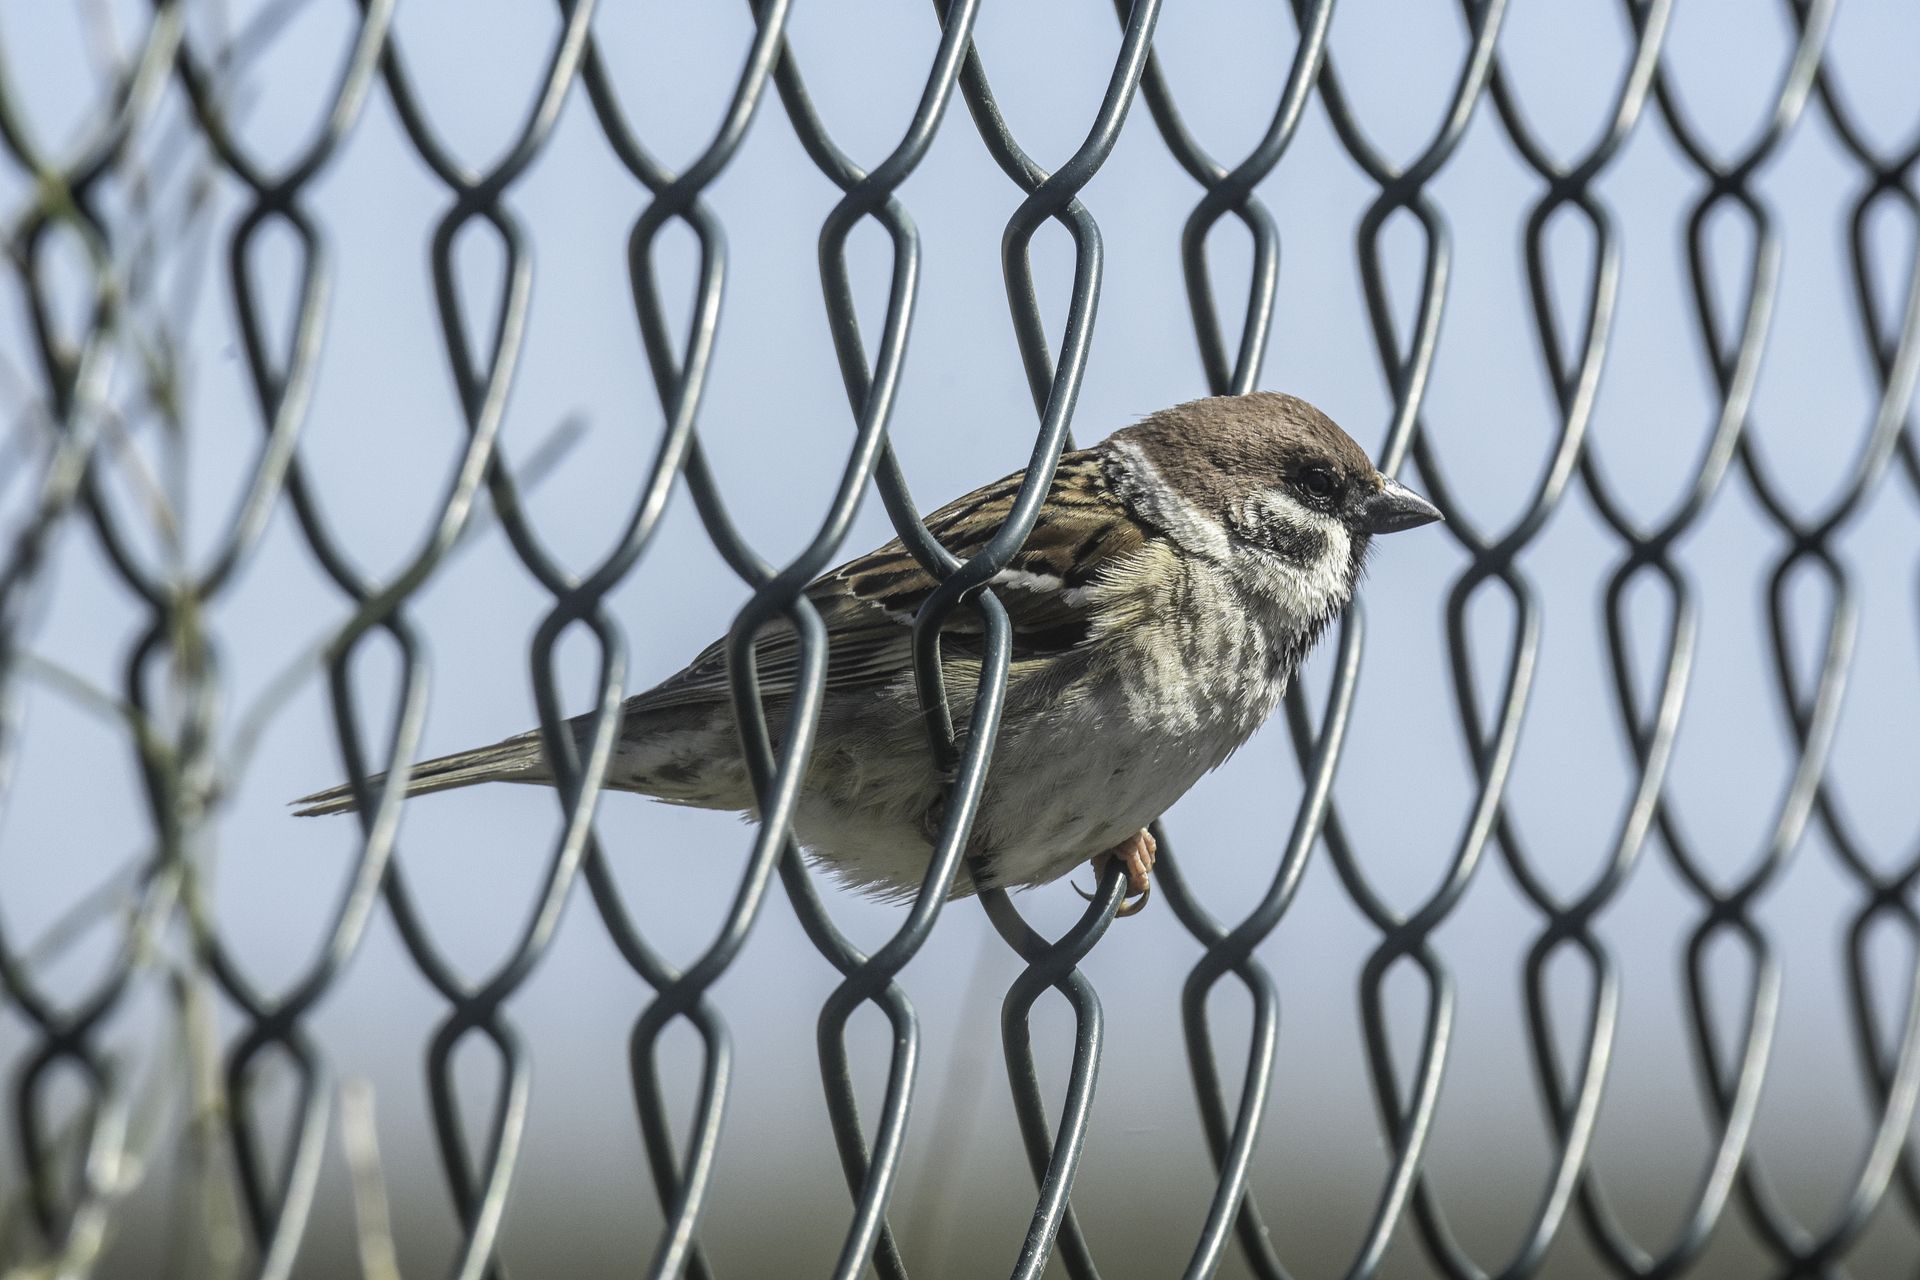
(173, 680)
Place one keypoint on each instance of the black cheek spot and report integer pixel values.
(1300, 543)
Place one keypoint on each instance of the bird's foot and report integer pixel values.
(1135, 853)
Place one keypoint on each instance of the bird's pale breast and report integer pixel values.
(1093, 746)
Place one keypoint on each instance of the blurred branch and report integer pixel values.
(360, 1140)
(85, 693)
(115, 894)
(213, 1240)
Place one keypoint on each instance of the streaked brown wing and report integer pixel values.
(868, 604)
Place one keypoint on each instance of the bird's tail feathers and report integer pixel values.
(517, 759)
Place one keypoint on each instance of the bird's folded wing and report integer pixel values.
(1082, 537)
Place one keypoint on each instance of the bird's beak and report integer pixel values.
(1395, 507)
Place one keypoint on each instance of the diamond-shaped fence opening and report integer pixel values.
(383, 378)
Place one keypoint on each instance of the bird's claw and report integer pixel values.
(1129, 905)
(1135, 853)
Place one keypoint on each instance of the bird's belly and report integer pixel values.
(882, 851)
(1070, 795)
(1075, 772)
(1043, 821)
(1038, 818)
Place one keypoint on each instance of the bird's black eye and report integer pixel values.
(1317, 481)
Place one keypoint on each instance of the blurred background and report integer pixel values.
(1821, 938)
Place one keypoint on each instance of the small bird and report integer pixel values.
(1178, 573)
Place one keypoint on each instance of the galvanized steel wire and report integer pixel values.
(180, 771)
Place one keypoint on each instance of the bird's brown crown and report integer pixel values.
(1215, 451)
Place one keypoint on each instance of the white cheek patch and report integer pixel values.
(1325, 584)
(1194, 532)
(1317, 588)
(1304, 595)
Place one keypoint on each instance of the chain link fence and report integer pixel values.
(171, 1041)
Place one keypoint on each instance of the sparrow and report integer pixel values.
(1178, 573)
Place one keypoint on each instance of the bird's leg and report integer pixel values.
(1135, 853)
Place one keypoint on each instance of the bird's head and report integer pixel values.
(1270, 485)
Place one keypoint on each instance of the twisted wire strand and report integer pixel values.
(1733, 1086)
(1814, 714)
(277, 1204)
(1887, 181)
(1406, 1101)
(75, 368)
(1571, 1092)
(479, 1183)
